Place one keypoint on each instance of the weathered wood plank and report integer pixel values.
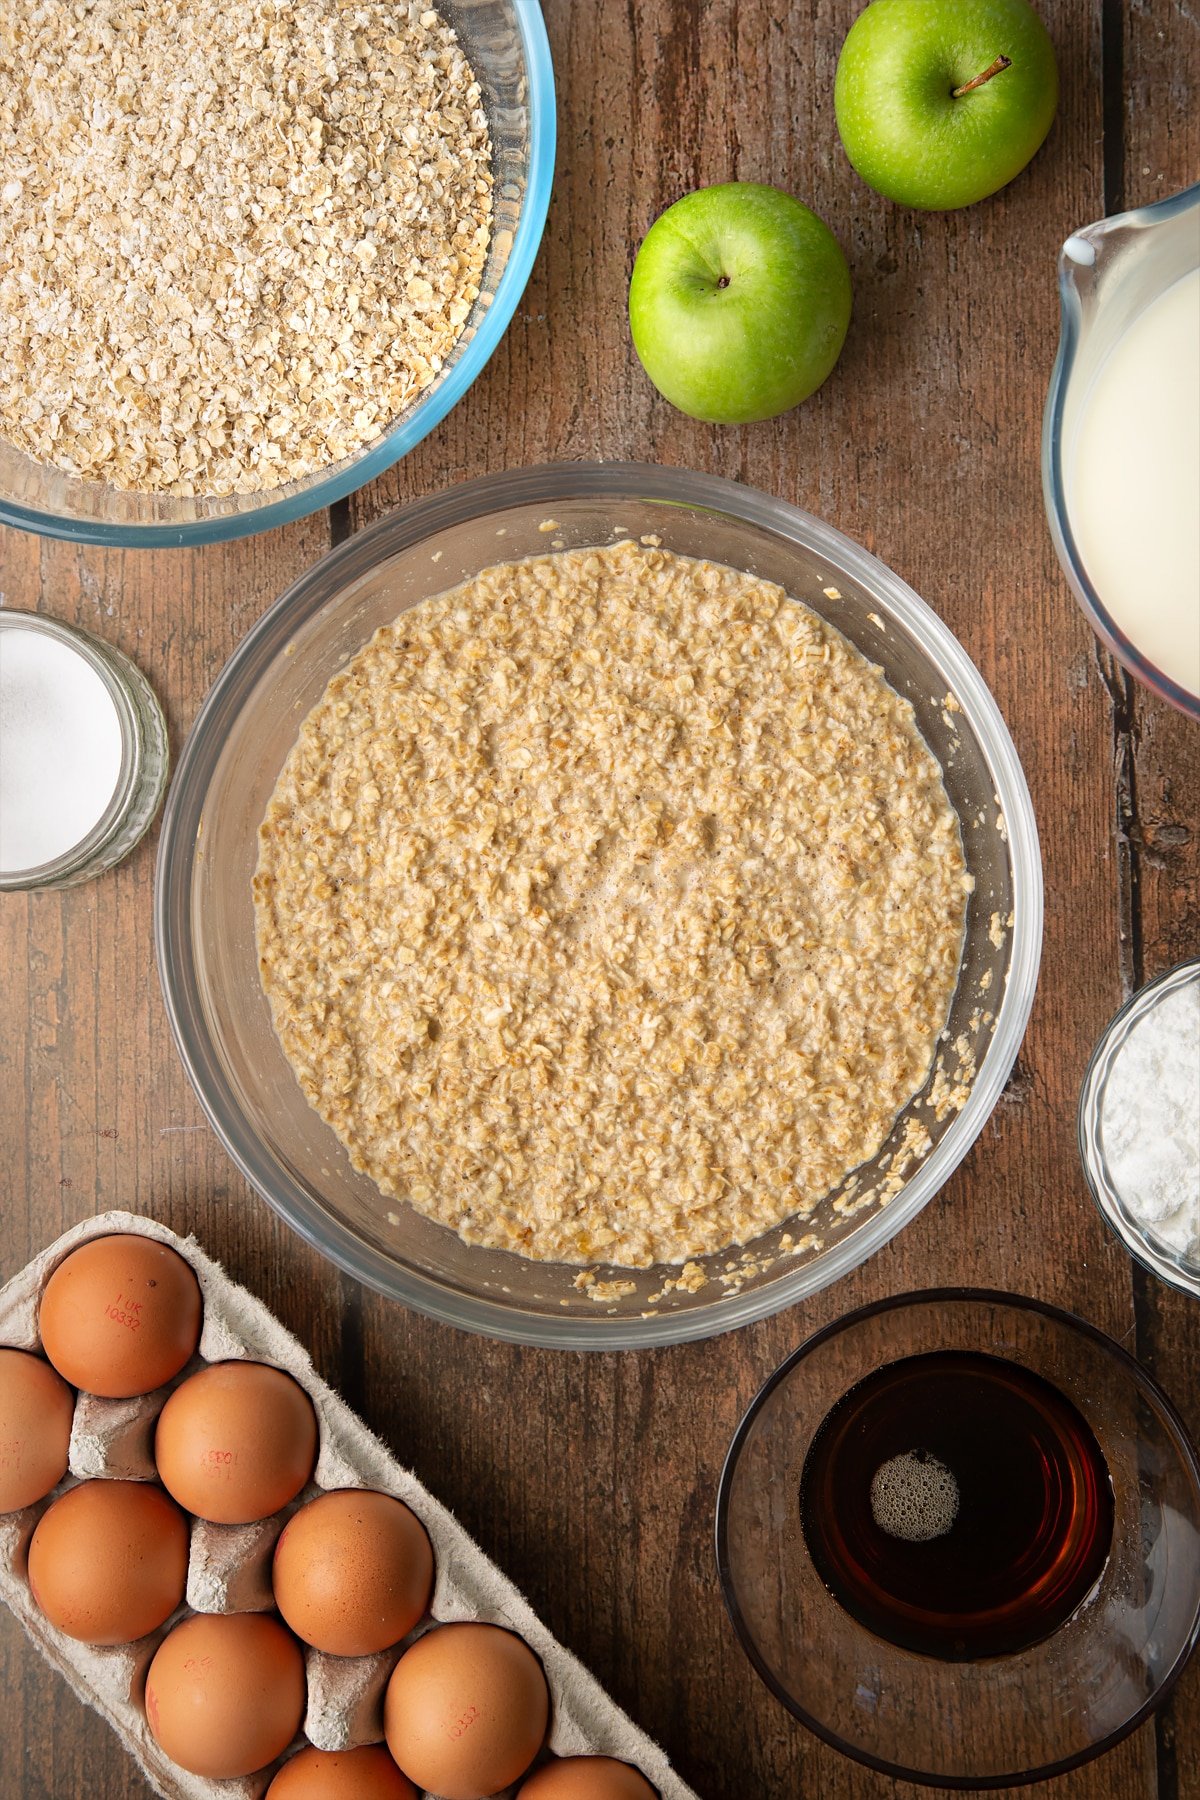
(925, 446)
(1161, 154)
(95, 1109)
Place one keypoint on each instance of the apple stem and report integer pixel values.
(968, 87)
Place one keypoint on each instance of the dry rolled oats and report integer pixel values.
(610, 907)
(236, 239)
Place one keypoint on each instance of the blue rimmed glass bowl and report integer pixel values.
(510, 53)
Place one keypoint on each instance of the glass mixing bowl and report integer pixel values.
(999, 1721)
(208, 850)
(509, 51)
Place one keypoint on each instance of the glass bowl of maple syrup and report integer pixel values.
(958, 1534)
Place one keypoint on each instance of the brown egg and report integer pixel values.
(120, 1316)
(353, 1572)
(108, 1561)
(466, 1710)
(225, 1693)
(587, 1778)
(366, 1774)
(236, 1441)
(36, 1410)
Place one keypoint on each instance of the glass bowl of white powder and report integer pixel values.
(1139, 1126)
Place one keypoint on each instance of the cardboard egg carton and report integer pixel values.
(229, 1567)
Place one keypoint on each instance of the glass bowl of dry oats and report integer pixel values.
(266, 257)
(599, 905)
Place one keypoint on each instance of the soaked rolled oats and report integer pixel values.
(610, 907)
(237, 239)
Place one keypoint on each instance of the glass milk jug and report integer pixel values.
(1121, 441)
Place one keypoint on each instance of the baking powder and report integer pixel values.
(1150, 1121)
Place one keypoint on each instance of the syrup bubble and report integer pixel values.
(914, 1497)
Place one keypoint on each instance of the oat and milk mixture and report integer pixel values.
(610, 907)
(237, 237)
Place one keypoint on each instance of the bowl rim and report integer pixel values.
(892, 1303)
(428, 411)
(1129, 1233)
(402, 528)
(1054, 486)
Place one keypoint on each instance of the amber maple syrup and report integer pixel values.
(957, 1505)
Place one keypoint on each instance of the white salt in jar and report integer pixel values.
(83, 753)
(1139, 1125)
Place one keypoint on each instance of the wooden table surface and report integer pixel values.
(592, 1479)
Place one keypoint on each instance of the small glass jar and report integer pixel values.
(144, 761)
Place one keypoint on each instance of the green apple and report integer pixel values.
(941, 102)
(739, 303)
